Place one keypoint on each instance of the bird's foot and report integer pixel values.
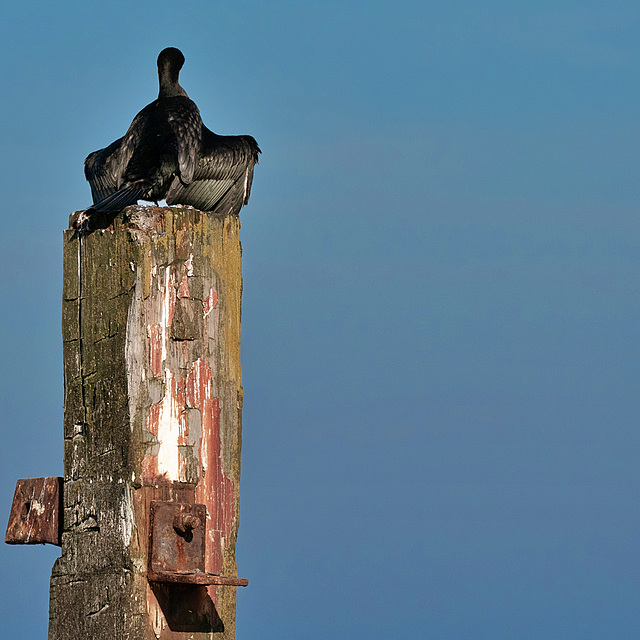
(79, 220)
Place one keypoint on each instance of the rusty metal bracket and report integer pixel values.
(177, 546)
(35, 512)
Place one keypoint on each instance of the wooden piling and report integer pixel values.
(153, 402)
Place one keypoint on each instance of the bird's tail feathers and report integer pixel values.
(120, 199)
(101, 214)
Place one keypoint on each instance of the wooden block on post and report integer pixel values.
(35, 512)
(153, 401)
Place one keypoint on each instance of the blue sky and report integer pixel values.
(441, 299)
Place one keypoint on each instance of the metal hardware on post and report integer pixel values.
(35, 512)
(177, 546)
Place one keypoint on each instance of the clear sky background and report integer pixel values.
(441, 299)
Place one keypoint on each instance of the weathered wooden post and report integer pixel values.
(152, 427)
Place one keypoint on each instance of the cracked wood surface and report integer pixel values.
(153, 401)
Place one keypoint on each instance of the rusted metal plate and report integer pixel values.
(177, 546)
(35, 512)
(196, 578)
(177, 537)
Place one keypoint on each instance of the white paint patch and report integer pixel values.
(169, 456)
(37, 507)
(189, 265)
(167, 299)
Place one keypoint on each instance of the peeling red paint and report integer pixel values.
(169, 418)
(183, 289)
(168, 424)
(154, 332)
(215, 489)
(210, 302)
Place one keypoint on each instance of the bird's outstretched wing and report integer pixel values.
(102, 170)
(105, 169)
(222, 178)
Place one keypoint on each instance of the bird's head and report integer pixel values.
(170, 61)
(171, 58)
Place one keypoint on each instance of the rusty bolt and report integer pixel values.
(184, 524)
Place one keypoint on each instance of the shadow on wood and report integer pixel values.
(187, 608)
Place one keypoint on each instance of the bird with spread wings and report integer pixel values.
(169, 154)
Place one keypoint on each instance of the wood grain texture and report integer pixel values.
(153, 402)
(35, 512)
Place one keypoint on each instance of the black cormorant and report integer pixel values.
(169, 154)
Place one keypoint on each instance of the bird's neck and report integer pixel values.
(169, 85)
